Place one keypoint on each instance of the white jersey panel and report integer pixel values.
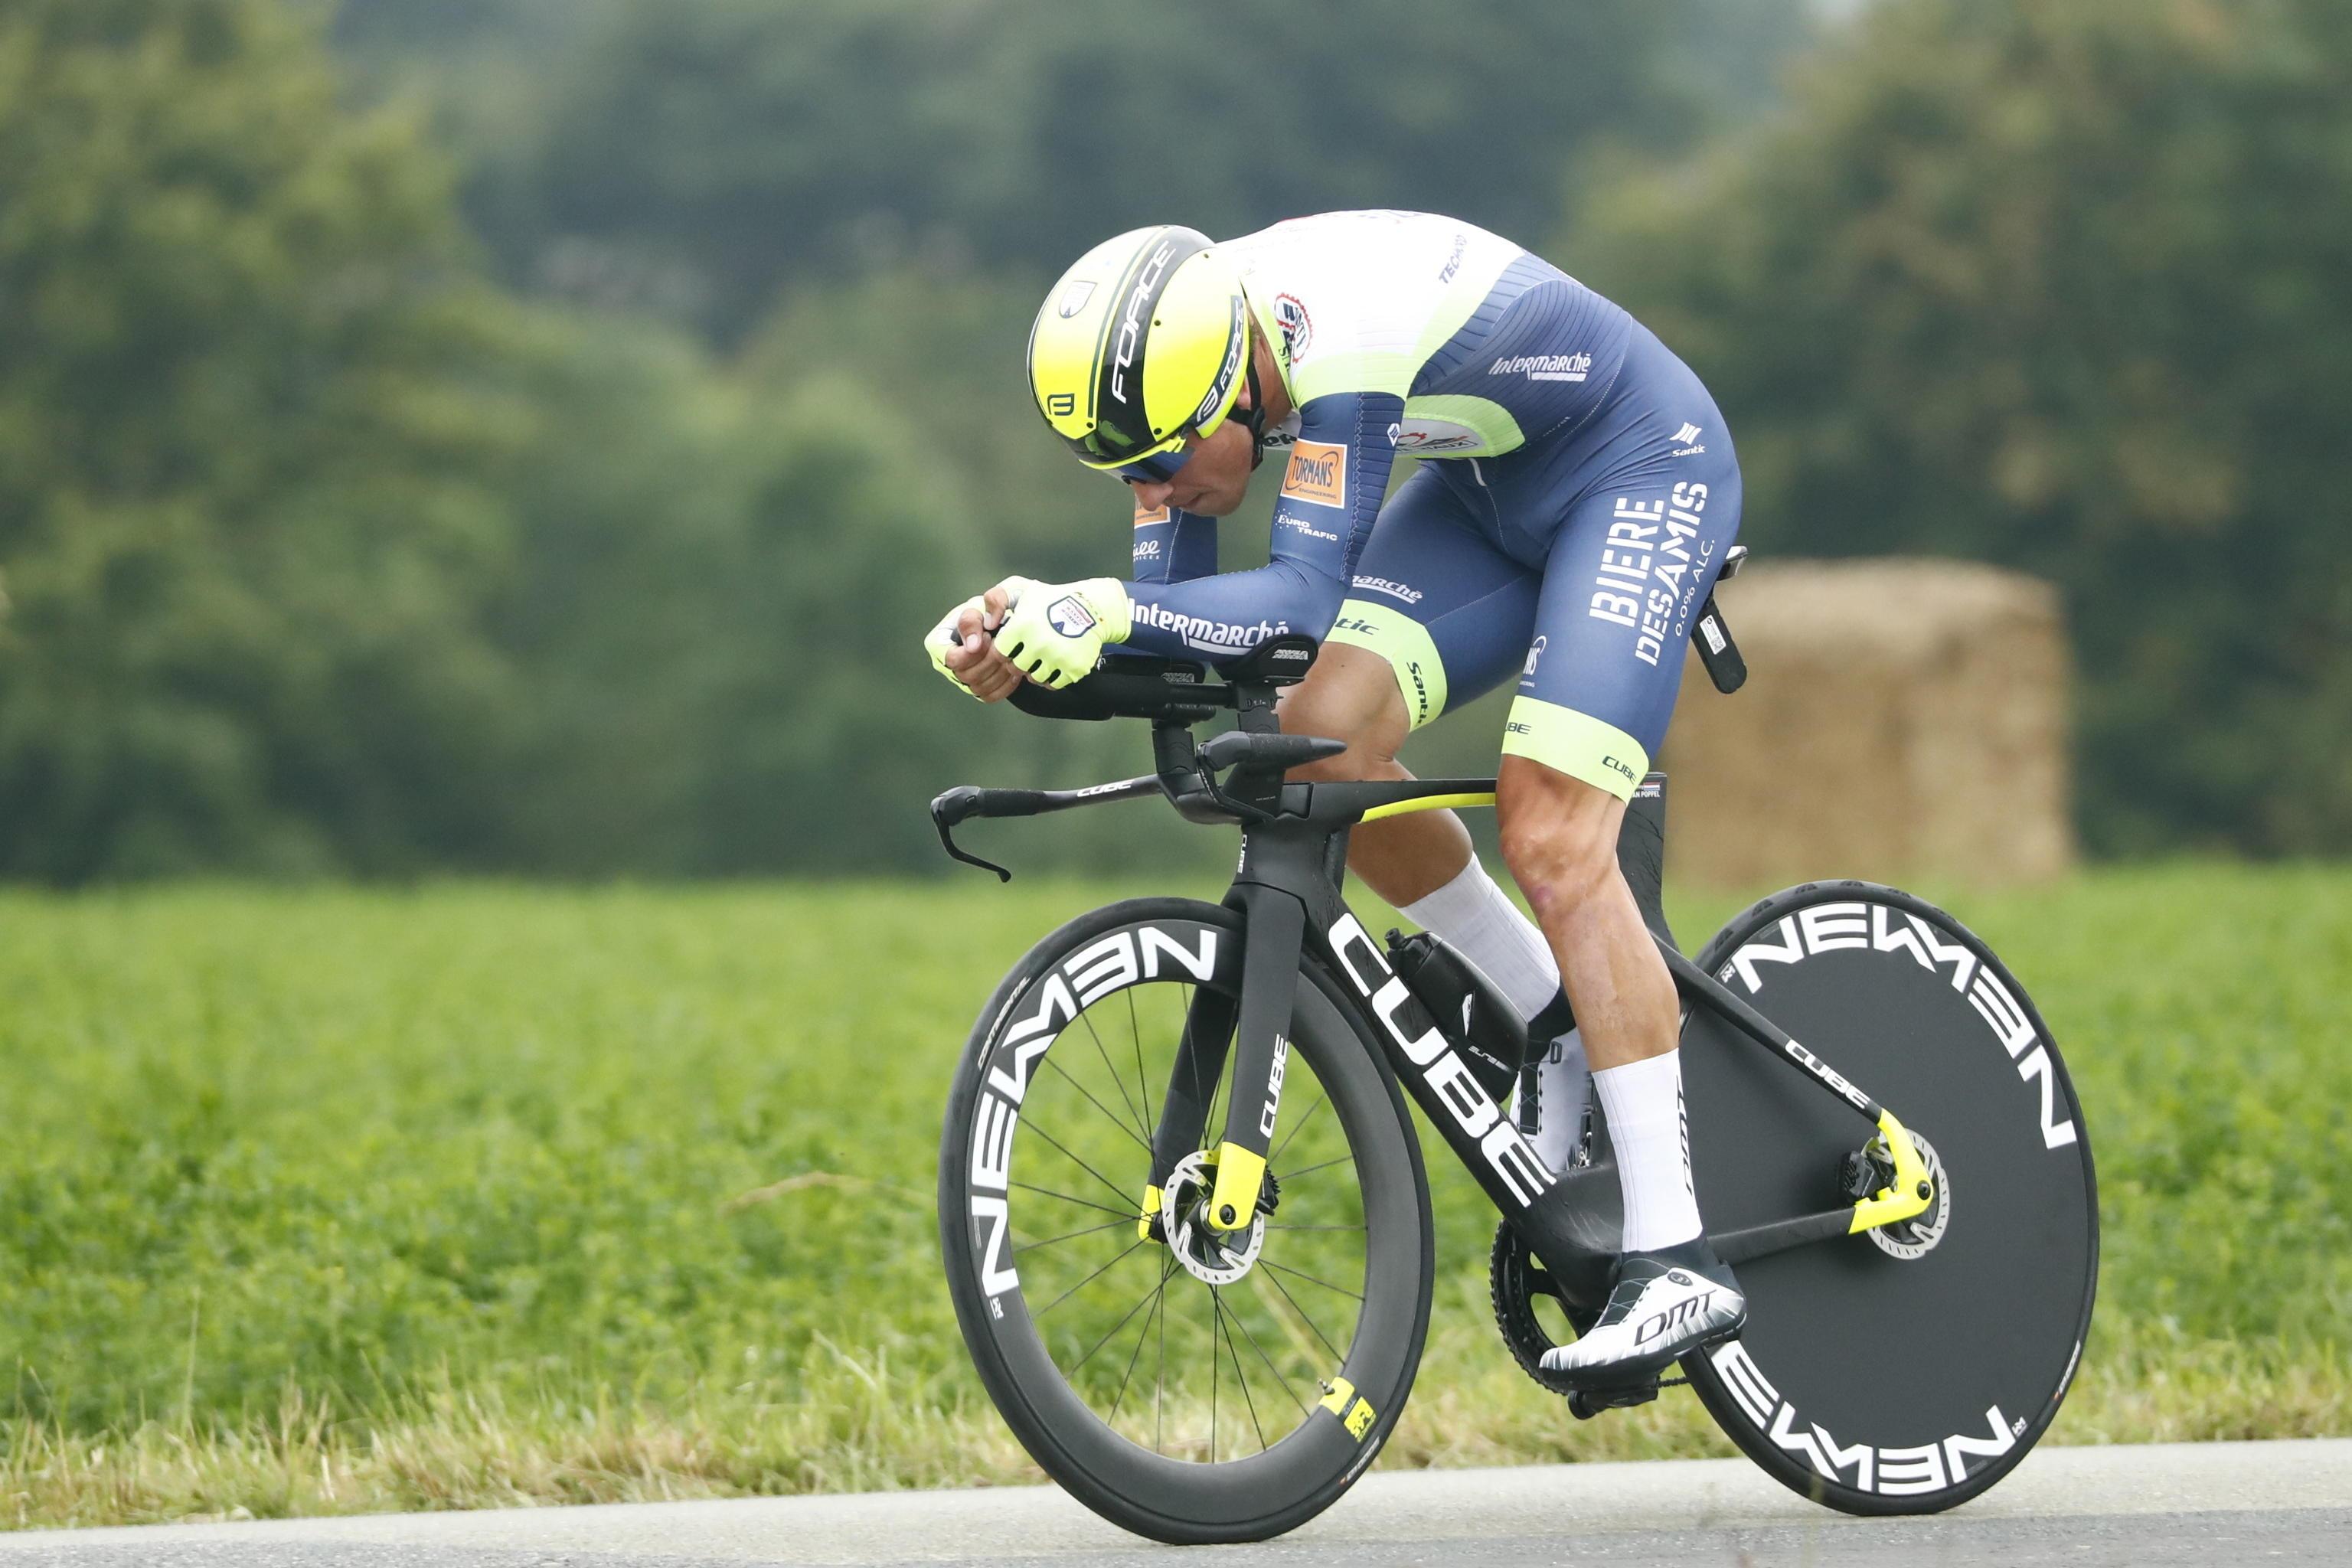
(1356, 300)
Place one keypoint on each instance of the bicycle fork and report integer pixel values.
(1275, 927)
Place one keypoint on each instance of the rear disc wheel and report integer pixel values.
(1906, 1371)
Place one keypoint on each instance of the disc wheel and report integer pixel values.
(1906, 1372)
(1188, 1385)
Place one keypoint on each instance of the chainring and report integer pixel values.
(1516, 1278)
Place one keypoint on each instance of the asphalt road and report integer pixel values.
(2256, 1503)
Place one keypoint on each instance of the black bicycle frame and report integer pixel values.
(1286, 889)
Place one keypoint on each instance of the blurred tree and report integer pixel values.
(2061, 286)
(715, 614)
(702, 154)
(243, 416)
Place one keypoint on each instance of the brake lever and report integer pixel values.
(951, 806)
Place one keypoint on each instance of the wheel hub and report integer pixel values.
(1917, 1236)
(1213, 1256)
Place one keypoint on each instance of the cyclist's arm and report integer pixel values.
(1173, 546)
(1332, 488)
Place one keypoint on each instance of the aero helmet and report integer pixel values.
(1145, 339)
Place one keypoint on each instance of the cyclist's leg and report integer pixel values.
(1438, 616)
(1630, 566)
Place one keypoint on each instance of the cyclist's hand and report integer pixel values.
(962, 650)
(1057, 630)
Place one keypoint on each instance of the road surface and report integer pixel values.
(2234, 1503)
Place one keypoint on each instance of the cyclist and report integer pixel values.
(1576, 497)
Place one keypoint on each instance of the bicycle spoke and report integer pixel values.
(1073, 1235)
(1238, 1376)
(1087, 1281)
(1149, 1295)
(1320, 1101)
(1280, 1382)
(1305, 1317)
(1271, 1226)
(1159, 1303)
(1213, 1383)
(1298, 1273)
(1142, 1079)
(1081, 1164)
(1309, 1170)
(1088, 1020)
(1140, 1142)
(1160, 1388)
(1082, 1202)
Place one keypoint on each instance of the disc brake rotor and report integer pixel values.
(1213, 1256)
(1917, 1236)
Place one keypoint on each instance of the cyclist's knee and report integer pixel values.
(1558, 834)
(1350, 695)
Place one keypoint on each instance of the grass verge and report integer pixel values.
(332, 1201)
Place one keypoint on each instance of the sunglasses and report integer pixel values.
(1159, 468)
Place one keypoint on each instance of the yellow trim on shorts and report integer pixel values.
(1576, 744)
(1405, 644)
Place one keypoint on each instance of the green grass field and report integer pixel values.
(318, 1201)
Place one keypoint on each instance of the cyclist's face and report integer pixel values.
(1211, 481)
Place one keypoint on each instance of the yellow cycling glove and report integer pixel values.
(1055, 631)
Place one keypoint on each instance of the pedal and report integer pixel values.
(1587, 1403)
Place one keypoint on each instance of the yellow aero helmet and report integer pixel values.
(1144, 339)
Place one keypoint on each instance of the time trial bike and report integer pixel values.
(1188, 1230)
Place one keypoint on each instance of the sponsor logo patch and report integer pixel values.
(1206, 635)
(1545, 367)
(1394, 590)
(1453, 261)
(1070, 618)
(1419, 434)
(1298, 327)
(1075, 297)
(1652, 567)
(1318, 473)
(1145, 516)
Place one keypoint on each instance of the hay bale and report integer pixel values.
(1902, 719)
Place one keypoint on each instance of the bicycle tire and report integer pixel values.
(1873, 1383)
(981, 1150)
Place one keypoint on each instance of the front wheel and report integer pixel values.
(1186, 1386)
(1906, 1369)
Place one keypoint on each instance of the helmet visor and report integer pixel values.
(1102, 450)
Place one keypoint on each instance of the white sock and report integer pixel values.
(1480, 920)
(1644, 1102)
(1562, 1085)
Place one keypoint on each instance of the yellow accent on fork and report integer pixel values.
(1241, 1176)
(1910, 1193)
(1151, 1198)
